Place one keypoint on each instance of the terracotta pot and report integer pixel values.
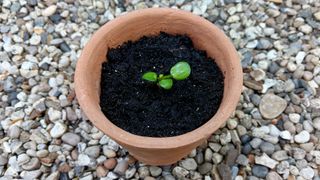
(132, 26)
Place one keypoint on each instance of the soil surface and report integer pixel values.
(142, 108)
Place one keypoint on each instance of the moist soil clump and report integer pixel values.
(143, 108)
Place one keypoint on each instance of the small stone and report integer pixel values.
(242, 160)
(65, 47)
(180, 172)
(189, 164)
(93, 151)
(273, 176)
(305, 29)
(217, 158)
(205, 168)
(258, 74)
(285, 135)
(110, 163)
(71, 138)
(108, 152)
(130, 172)
(307, 173)
(260, 171)
(101, 172)
(272, 106)
(121, 167)
(232, 155)
(300, 57)
(267, 148)
(255, 143)
(246, 149)
(3, 160)
(317, 15)
(264, 44)
(35, 40)
(224, 171)
(316, 123)
(207, 156)
(23, 158)
(33, 164)
(54, 115)
(232, 123)
(143, 172)
(280, 155)
(58, 130)
(265, 160)
(298, 153)
(155, 171)
(302, 137)
(32, 2)
(49, 10)
(14, 132)
(83, 160)
(294, 117)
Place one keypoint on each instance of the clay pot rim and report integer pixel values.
(138, 141)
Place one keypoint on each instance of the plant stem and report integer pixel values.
(164, 77)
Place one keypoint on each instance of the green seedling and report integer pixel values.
(179, 71)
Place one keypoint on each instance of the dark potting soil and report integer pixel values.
(143, 108)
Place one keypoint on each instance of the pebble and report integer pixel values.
(180, 172)
(58, 130)
(110, 163)
(265, 160)
(298, 153)
(242, 160)
(307, 173)
(316, 123)
(285, 135)
(205, 168)
(294, 117)
(33, 164)
(14, 132)
(83, 160)
(272, 106)
(71, 138)
(121, 167)
(189, 164)
(305, 29)
(101, 171)
(260, 171)
(155, 171)
(267, 148)
(255, 143)
(49, 11)
(143, 172)
(302, 137)
(130, 172)
(3, 160)
(273, 176)
(93, 151)
(280, 155)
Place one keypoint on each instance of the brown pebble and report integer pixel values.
(64, 168)
(110, 163)
(101, 171)
(74, 154)
(251, 158)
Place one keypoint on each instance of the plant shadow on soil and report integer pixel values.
(143, 108)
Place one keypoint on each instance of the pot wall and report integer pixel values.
(132, 26)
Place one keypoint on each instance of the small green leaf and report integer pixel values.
(166, 83)
(180, 71)
(150, 76)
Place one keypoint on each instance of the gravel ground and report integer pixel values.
(274, 133)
